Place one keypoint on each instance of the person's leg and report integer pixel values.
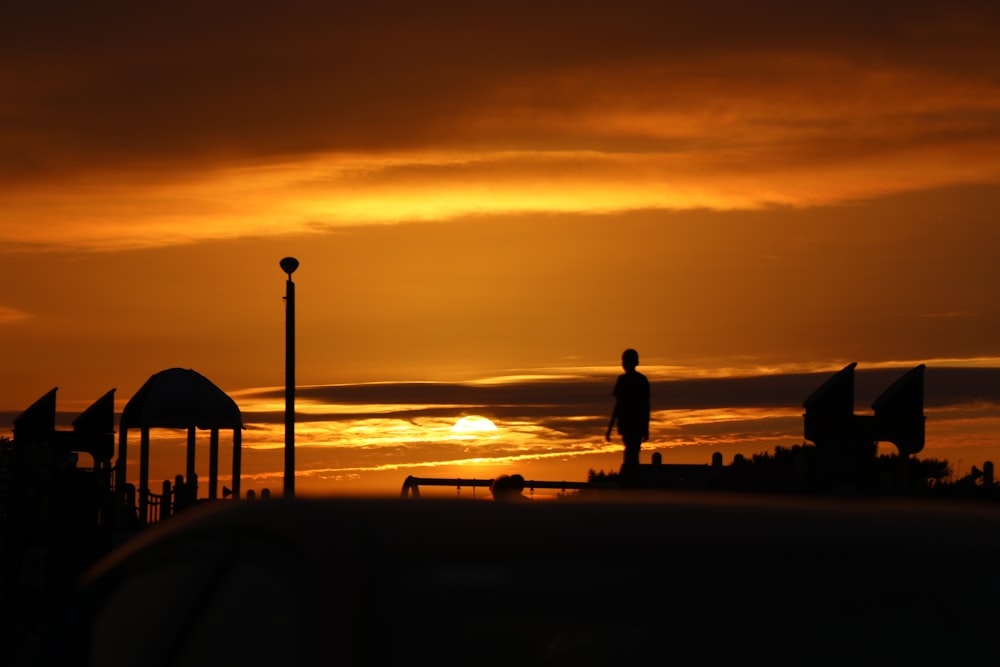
(632, 445)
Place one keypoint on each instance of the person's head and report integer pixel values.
(630, 359)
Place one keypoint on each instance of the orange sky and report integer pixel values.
(508, 190)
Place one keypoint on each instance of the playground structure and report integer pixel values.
(848, 442)
(179, 399)
(64, 498)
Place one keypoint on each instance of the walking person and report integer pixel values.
(631, 411)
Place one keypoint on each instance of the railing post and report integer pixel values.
(165, 504)
(152, 507)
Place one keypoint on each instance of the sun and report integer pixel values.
(473, 424)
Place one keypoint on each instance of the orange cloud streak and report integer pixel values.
(762, 124)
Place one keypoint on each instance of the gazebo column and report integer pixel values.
(189, 473)
(143, 475)
(122, 458)
(237, 444)
(116, 511)
(213, 464)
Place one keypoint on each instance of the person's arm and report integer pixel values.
(645, 430)
(614, 411)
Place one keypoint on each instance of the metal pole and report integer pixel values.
(288, 265)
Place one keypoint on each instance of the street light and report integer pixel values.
(288, 265)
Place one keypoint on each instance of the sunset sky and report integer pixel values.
(490, 201)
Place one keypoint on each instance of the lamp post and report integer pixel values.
(288, 265)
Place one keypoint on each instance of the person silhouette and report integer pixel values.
(631, 411)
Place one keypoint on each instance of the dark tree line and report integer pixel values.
(806, 469)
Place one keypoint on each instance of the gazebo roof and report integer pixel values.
(181, 398)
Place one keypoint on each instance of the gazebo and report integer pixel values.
(179, 398)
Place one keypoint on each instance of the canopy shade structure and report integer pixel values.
(179, 398)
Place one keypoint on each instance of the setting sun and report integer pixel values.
(473, 424)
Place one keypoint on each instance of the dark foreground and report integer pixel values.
(650, 579)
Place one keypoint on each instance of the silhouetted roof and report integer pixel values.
(181, 398)
(835, 397)
(99, 417)
(39, 418)
(905, 395)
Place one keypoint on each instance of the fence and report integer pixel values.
(411, 486)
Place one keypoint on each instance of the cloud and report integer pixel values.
(590, 397)
(8, 315)
(134, 126)
(403, 425)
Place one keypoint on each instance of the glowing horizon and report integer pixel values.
(548, 428)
